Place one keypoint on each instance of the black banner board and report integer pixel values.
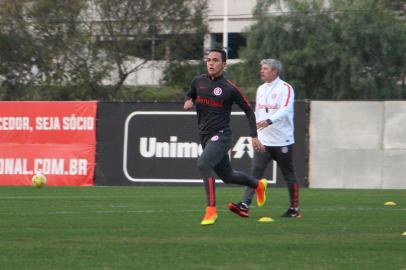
(140, 143)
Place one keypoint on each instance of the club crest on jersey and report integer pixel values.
(285, 149)
(214, 138)
(274, 95)
(217, 91)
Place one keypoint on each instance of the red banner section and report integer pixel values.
(57, 139)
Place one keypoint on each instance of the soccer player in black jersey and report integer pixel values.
(214, 96)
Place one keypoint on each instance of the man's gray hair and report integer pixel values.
(273, 63)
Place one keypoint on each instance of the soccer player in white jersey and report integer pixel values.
(274, 113)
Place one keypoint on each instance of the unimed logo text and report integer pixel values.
(150, 147)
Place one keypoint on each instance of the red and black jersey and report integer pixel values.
(214, 99)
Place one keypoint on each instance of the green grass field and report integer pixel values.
(159, 228)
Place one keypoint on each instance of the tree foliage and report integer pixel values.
(180, 73)
(345, 50)
(86, 45)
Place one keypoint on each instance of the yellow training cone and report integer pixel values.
(404, 233)
(390, 203)
(265, 219)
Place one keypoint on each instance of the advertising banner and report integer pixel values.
(169, 154)
(158, 143)
(56, 139)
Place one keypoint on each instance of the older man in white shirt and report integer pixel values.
(274, 112)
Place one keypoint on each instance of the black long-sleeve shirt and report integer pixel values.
(214, 100)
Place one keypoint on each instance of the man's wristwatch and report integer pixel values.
(269, 121)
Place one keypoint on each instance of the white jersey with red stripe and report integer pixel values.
(275, 101)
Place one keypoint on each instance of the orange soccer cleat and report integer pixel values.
(210, 217)
(260, 190)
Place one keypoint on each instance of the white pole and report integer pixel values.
(225, 26)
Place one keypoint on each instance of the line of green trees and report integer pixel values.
(348, 49)
(65, 50)
(81, 49)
